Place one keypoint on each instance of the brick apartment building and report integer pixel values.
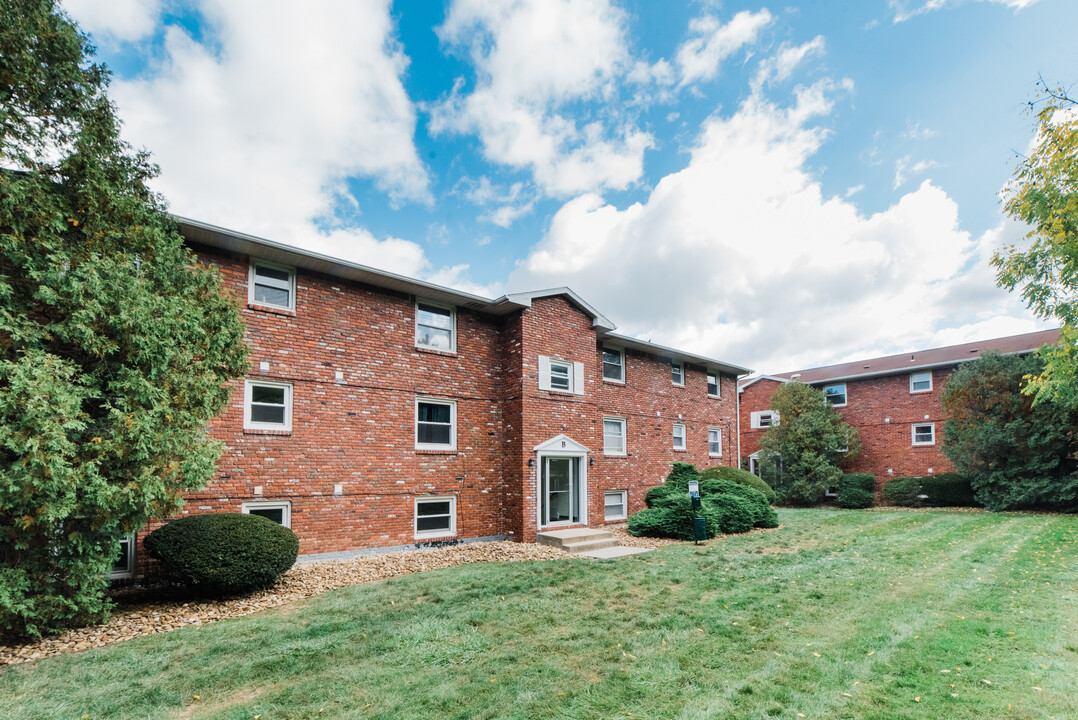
(893, 401)
(381, 411)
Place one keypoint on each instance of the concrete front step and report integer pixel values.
(578, 540)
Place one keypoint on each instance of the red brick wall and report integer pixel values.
(883, 409)
(359, 432)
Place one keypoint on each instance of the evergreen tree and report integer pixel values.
(803, 454)
(115, 347)
(1017, 452)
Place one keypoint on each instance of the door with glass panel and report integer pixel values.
(560, 496)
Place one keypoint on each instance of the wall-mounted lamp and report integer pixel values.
(591, 461)
(531, 462)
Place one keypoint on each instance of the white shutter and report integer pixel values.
(544, 372)
(578, 378)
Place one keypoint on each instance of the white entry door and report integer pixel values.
(560, 496)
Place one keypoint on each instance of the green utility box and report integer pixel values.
(699, 528)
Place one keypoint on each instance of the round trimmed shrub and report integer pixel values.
(680, 475)
(856, 490)
(948, 490)
(657, 493)
(223, 553)
(855, 499)
(734, 513)
(671, 517)
(903, 491)
(741, 477)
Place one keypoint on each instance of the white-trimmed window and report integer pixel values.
(679, 436)
(714, 389)
(267, 405)
(613, 436)
(279, 511)
(835, 394)
(920, 382)
(614, 364)
(923, 433)
(763, 419)
(435, 327)
(714, 442)
(435, 516)
(271, 285)
(561, 375)
(124, 564)
(677, 373)
(435, 424)
(615, 506)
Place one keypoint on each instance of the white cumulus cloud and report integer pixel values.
(116, 20)
(906, 9)
(533, 58)
(712, 41)
(259, 123)
(741, 256)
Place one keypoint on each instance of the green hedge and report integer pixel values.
(726, 505)
(948, 490)
(903, 491)
(856, 490)
(741, 477)
(222, 553)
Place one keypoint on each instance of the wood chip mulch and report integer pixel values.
(135, 619)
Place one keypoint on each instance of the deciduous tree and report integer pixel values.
(803, 455)
(1043, 194)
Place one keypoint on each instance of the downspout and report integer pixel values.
(737, 405)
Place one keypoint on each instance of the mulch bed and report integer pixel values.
(136, 614)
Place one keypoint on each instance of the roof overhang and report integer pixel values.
(663, 351)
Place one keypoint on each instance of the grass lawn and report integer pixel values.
(839, 614)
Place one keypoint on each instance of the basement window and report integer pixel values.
(614, 505)
(279, 512)
(124, 564)
(435, 516)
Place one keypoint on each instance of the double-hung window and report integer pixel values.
(614, 505)
(677, 373)
(435, 424)
(614, 364)
(613, 436)
(923, 433)
(714, 442)
(679, 436)
(267, 405)
(279, 512)
(435, 327)
(561, 375)
(435, 516)
(763, 419)
(271, 285)
(835, 394)
(713, 384)
(920, 382)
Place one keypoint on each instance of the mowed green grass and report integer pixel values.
(838, 614)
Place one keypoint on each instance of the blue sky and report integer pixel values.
(778, 186)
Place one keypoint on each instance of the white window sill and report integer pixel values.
(436, 351)
(680, 449)
(619, 518)
(613, 382)
(436, 449)
(714, 455)
(434, 536)
(923, 444)
(920, 392)
(615, 454)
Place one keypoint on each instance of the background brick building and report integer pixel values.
(381, 411)
(894, 402)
